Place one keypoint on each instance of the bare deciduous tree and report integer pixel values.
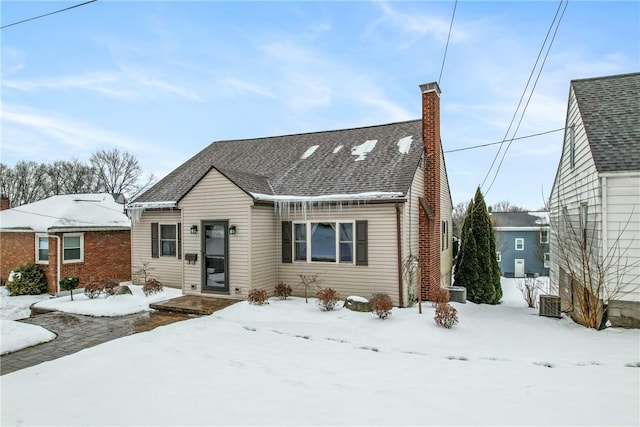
(507, 206)
(118, 171)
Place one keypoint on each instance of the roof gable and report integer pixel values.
(610, 110)
(69, 211)
(380, 159)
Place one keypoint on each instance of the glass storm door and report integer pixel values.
(215, 247)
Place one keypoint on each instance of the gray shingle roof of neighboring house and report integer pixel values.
(289, 165)
(610, 110)
(520, 219)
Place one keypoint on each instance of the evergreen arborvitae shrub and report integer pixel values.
(28, 279)
(69, 283)
(463, 233)
(482, 232)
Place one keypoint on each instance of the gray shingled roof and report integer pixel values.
(275, 165)
(610, 110)
(520, 219)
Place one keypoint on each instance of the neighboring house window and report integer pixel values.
(42, 249)
(73, 247)
(499, 256)
(325, 242)
(547, 260)
(544, 236)
(519, 244)
(168, 240)
(584, 213)
(572, 146)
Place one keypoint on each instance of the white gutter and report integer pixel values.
(58, 262)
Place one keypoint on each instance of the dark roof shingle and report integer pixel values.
(275, 165)
(520, 219)
(610, 110)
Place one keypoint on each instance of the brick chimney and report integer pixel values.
(4, 203)
(429, 220)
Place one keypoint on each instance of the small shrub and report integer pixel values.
(439, 295)
(27, 279)
(258, 297)
(308, 282)
(446, 315)
(282, 291)
(69, 283)
(381, 305)
(93, 290)
(153, 286)
(109, 284)
(327, 298)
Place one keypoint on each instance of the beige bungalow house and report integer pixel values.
(350, 205)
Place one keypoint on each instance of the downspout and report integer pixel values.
(603, 202)
(58, 263)
(399, 245)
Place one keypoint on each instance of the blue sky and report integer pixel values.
(164, 79)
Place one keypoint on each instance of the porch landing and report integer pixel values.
(193, 304)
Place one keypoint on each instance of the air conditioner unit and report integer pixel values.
(550, 305)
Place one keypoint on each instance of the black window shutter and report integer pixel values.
(155, 244)
(179, 248)
(286, 242)
(362, 245)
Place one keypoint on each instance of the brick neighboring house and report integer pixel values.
(91, 230)
(350, 205)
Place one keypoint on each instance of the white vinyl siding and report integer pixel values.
(215, 198)
(381, 273)
(167, 270)
(446, 214)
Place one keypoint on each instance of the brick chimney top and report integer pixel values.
(430, 87)
(4, 203)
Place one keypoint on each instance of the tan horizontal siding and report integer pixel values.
(446, 214)
(167, 270)
(264, 240)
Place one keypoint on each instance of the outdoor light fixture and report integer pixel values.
(232, 229)
(194, 229)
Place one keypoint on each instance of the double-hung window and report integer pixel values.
(42, 249)
(544, 236)
(547, 260)
(168, 239)
(73, 247)
(519, 244)
(324, 242)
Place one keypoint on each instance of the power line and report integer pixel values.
(555, 32)
(47, 14)
(448, 37)
(501, 142)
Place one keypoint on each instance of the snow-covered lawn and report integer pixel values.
(16, 336)
(288, 363)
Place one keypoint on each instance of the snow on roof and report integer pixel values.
(363, 149)
(404, 144)
(338, 148)
(542, 217)
(373, 195)
(79, 211)
(309, 151)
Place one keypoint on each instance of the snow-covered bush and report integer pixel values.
(282, 290)
(381, 305)
(28, 279)
(152, 286)
(258, 297)
(446, 315)
(327, 298)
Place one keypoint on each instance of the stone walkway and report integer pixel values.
(76, 332)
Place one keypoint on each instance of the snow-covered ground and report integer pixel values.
(288, 363)
(15, 336)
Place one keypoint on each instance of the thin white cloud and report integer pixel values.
(245, 87)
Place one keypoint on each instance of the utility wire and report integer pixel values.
(530, 95)
(47, 14)
(555, 32)
(448, 37)
(501, 142)
(524, 92)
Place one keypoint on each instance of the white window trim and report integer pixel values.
(308, 241)
(547, 260)
(38, 237)
(160, 239)
(73, 261)
(521, 240)
(499, 256)
(544, 241)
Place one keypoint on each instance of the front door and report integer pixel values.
(518, 268)
(215, 274)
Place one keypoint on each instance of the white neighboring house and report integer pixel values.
(595, 200)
